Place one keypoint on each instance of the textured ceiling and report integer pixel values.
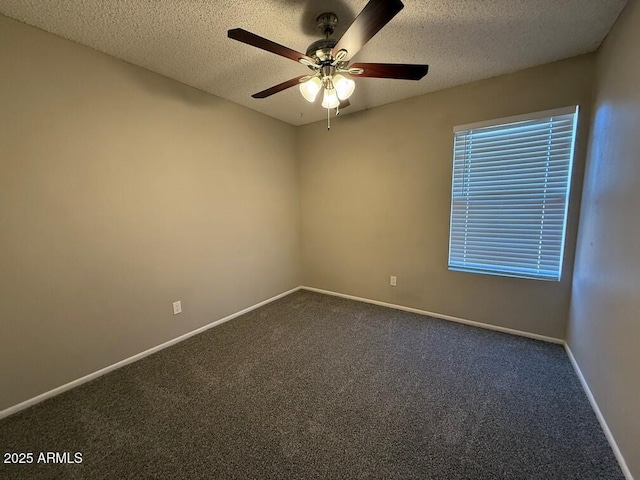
(461, 40)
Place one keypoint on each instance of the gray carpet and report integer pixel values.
(313, 386)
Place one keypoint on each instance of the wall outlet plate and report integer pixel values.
(177, 307)
(393, 281)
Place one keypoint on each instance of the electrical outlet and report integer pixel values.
(177, 307)
(393, 281)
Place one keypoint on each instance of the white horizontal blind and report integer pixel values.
(510, 193)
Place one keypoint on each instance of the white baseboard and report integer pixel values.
(596, 409)
(87, 378)
(441, 316)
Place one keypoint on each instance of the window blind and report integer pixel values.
(510, 192)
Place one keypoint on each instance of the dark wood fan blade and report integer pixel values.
(401, 71)
(254, 40)
(375, 15)
(278, 88)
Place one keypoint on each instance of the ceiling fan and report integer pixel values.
(329, 58)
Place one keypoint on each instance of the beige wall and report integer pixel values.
(120, 192)
(377, 202)
(604, 328)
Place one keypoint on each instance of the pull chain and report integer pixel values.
(328, 119)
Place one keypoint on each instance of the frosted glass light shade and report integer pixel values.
(344, 86)
(310, 89)
(330, 99)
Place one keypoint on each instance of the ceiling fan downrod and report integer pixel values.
(327, 23)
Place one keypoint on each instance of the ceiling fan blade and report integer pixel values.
(375, 15)
(344, 103)
(278, 88)
(254, 40)
(401, 71)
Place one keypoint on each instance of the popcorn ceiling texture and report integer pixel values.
(461, 40)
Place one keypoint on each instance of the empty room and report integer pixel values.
(320, 239)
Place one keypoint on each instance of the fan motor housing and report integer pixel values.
(321, 49)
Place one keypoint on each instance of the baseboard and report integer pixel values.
(596, 409)
(87, 378)
(441, 316)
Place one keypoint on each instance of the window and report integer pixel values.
(510, 192)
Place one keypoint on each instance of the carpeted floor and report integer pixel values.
(318, 387)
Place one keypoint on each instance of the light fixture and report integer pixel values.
(310, 89)
(344, 86)
(336, 87)
(330, 99)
